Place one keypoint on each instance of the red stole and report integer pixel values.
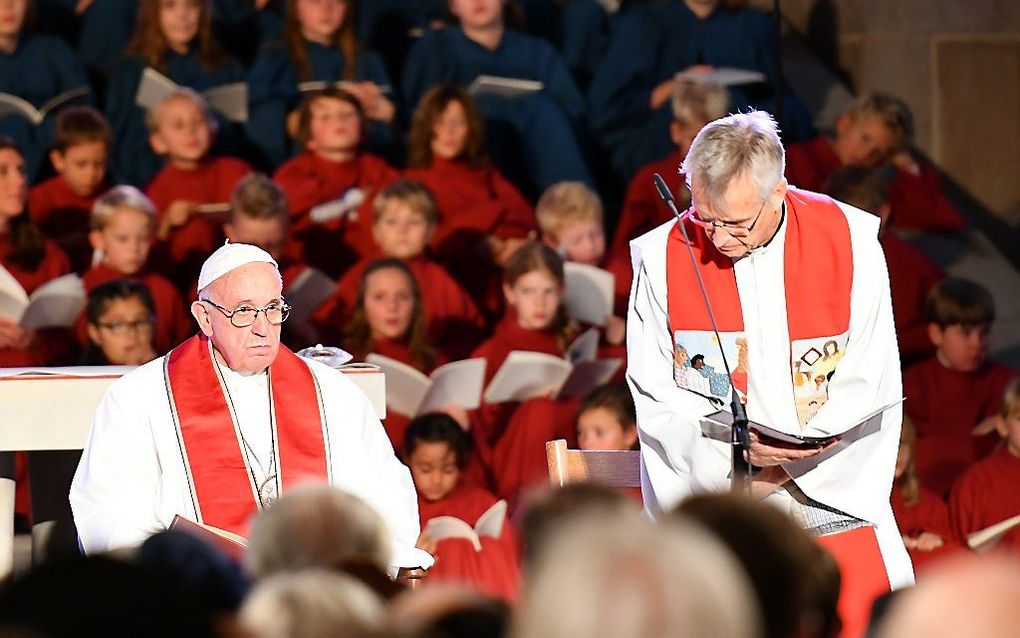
(818, 274)
(222, 486)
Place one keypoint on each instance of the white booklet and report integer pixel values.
(723, 76)
(344, 206)
(589, 293)
(526, 374)
(57, 303)
(509, 88)
(11, 104)
(987, 538)
(719, 423)
(230, 100)
(489, 524)
(410, 392)
(344, 85)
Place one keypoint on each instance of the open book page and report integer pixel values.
(320, 85)
(585, 347)
(987, 538)
(588, 375)
(230, 543)
(490, 523)
(457, 383)
(13, 298)
(230, 100)
(718, 423)
(57, 303)
(345, 206)
(525, 375)
(443, 527)
(153, 88)
(588, 293)
(406, 386)
(11, 104)
(214, 209)
(504, 87)
(723, 76)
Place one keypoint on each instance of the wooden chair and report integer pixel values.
(613, 469)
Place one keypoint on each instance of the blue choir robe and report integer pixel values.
(579, 29)
(650, 43)
(242, 29)
(104, 33)
(40, 68)
(134, 161)
(273, 92)
(544, 125)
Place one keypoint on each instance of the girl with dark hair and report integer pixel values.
(173, 37)
(319, 48)
(121, 318)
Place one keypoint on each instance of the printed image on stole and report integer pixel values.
(818, 273)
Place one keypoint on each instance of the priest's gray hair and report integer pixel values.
(316, 526)
(736, 145)
(629, 577)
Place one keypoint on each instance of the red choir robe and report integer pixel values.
(643, 209)
(944, 406)
(454, 322)
(310, 180)
(493, 571)
(473, 203)
(929, 514)
(911, 277)
(619, 264)
(212, 182)
(987, 494)
(173, 321)
(916, 201)
(63, 216)
(52, 346)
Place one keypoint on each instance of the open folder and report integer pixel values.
(722, 421)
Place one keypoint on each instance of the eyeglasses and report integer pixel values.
(122, 327)
(243, 316)
(735, 231)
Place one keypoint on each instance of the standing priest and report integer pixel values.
(228, 420)
(799, 288)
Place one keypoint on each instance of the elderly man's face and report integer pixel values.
(747, 220)
(252, 348)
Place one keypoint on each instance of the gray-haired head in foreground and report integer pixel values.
(728, 148)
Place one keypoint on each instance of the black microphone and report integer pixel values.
(739, 440)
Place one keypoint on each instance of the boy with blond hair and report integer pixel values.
(122, 225)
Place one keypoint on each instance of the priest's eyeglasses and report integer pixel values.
(243, 316)
(736, 231)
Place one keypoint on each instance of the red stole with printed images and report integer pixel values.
(222, 485)
(818, 274)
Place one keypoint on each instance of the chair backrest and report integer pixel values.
(611, 468)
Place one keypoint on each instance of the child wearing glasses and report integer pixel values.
(121, 317)
(122, 225)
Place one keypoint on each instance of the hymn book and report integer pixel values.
(526, 374)
(230, 100)
(507, 88)
(13, 105)
(345, 206)
(410, 392)
(489, 524)
(588, 293)
(57, 303)
(987, 538)
(228, 542)
(723, 76)
(314, 86)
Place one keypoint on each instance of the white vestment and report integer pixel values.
(132, 481)
(855, 476)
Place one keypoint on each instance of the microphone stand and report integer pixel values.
(740, 460)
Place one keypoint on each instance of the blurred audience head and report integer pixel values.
(447, 610)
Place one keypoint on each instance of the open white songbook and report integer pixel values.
(723, 76)
(509, 88)
(57, 303)
(987, 538)
(344, 206)
(489, 524)
(526, 374)
(11, 104)
(410, 392)
(314, 86)
(588, 293)
(230, 100)
(718, 424)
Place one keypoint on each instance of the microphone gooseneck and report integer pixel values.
(739, 439)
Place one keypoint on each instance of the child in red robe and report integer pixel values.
(987, 492)
(876, 129)
(60, 206)
(954, 397)
(191, 186)
(122, 228)
(436, 449)
(911, 274)
(921, 514)
(694, 105)
(483, 217)
(404, 219)
(333, 170)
